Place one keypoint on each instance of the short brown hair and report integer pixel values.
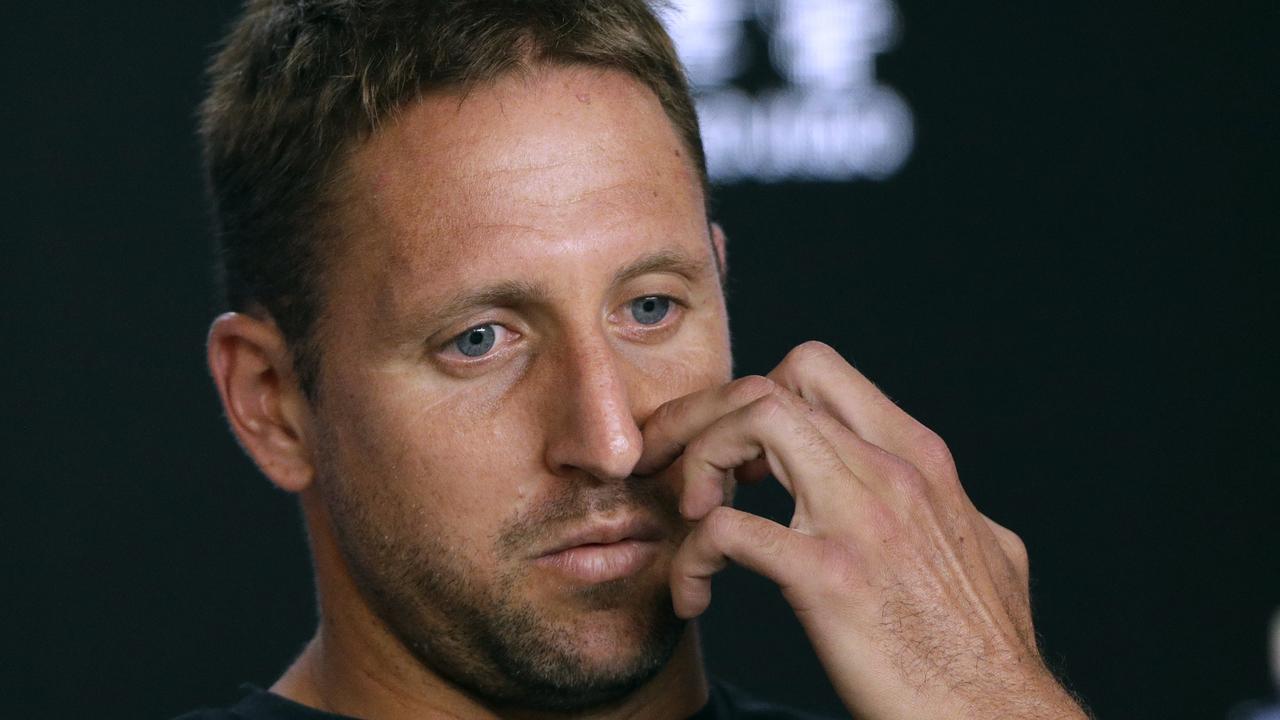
(298, 83)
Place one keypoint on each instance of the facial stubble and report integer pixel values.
(483, 632)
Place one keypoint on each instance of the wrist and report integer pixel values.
(1042, 698)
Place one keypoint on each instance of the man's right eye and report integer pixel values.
(477, 341)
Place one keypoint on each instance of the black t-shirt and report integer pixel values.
(726, 703)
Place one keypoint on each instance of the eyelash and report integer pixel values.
(677, 307)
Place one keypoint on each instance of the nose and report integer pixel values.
(594, 429)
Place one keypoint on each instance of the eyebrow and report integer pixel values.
(515, 293)
(509, 293)
(667, 260)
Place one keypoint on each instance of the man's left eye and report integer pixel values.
(650, 310)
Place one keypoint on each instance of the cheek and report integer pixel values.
(699, 357)
(453, 454)
(672, 374)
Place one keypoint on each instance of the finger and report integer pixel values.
(675, 423)
(862, 459)
(817, 373)
(865, 460)
(775, 428)
(763, 546)
(1013, 548)
(752, 472)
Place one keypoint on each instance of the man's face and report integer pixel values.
(527, 274)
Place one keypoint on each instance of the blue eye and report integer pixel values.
(650, 310)
(476, 342)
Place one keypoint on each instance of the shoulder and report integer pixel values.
(731, 703)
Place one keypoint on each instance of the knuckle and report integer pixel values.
(719, 525)
(771, 545)
(841, 571)
(909, 482)
(882, 520)
(750, 388)
(695, 449)
(935, 454)
(933, 447)
(1013, 548)
(808, 355)
(1017, 550)
(766, 410)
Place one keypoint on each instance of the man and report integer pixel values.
(478, 327)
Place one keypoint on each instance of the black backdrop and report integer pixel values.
(1073, 280)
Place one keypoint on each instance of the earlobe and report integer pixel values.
(252, 369)
(718, 244)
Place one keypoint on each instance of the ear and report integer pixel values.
(265, 406)
(718, 243)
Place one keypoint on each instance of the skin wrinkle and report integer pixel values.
(509, 226)
(440, 483)
(431, 484)
(408, 261)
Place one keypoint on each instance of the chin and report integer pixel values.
(601, 619)
(602, 658)
(598, 643)
(614, 638)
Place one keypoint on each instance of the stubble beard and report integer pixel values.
(487, 638)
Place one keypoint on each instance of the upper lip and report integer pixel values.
(610, 530)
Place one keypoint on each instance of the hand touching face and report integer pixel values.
(525, 272)
(916, 603)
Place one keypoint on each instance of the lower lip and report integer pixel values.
(601, 563)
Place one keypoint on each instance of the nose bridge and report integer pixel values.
(597, 432)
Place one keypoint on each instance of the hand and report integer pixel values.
(916, 603)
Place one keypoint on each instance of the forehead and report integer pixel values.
(569, 161)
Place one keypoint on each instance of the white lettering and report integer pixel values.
(831, 121)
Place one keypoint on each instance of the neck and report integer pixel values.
(355, 666)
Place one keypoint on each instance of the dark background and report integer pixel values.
(1073, 280)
